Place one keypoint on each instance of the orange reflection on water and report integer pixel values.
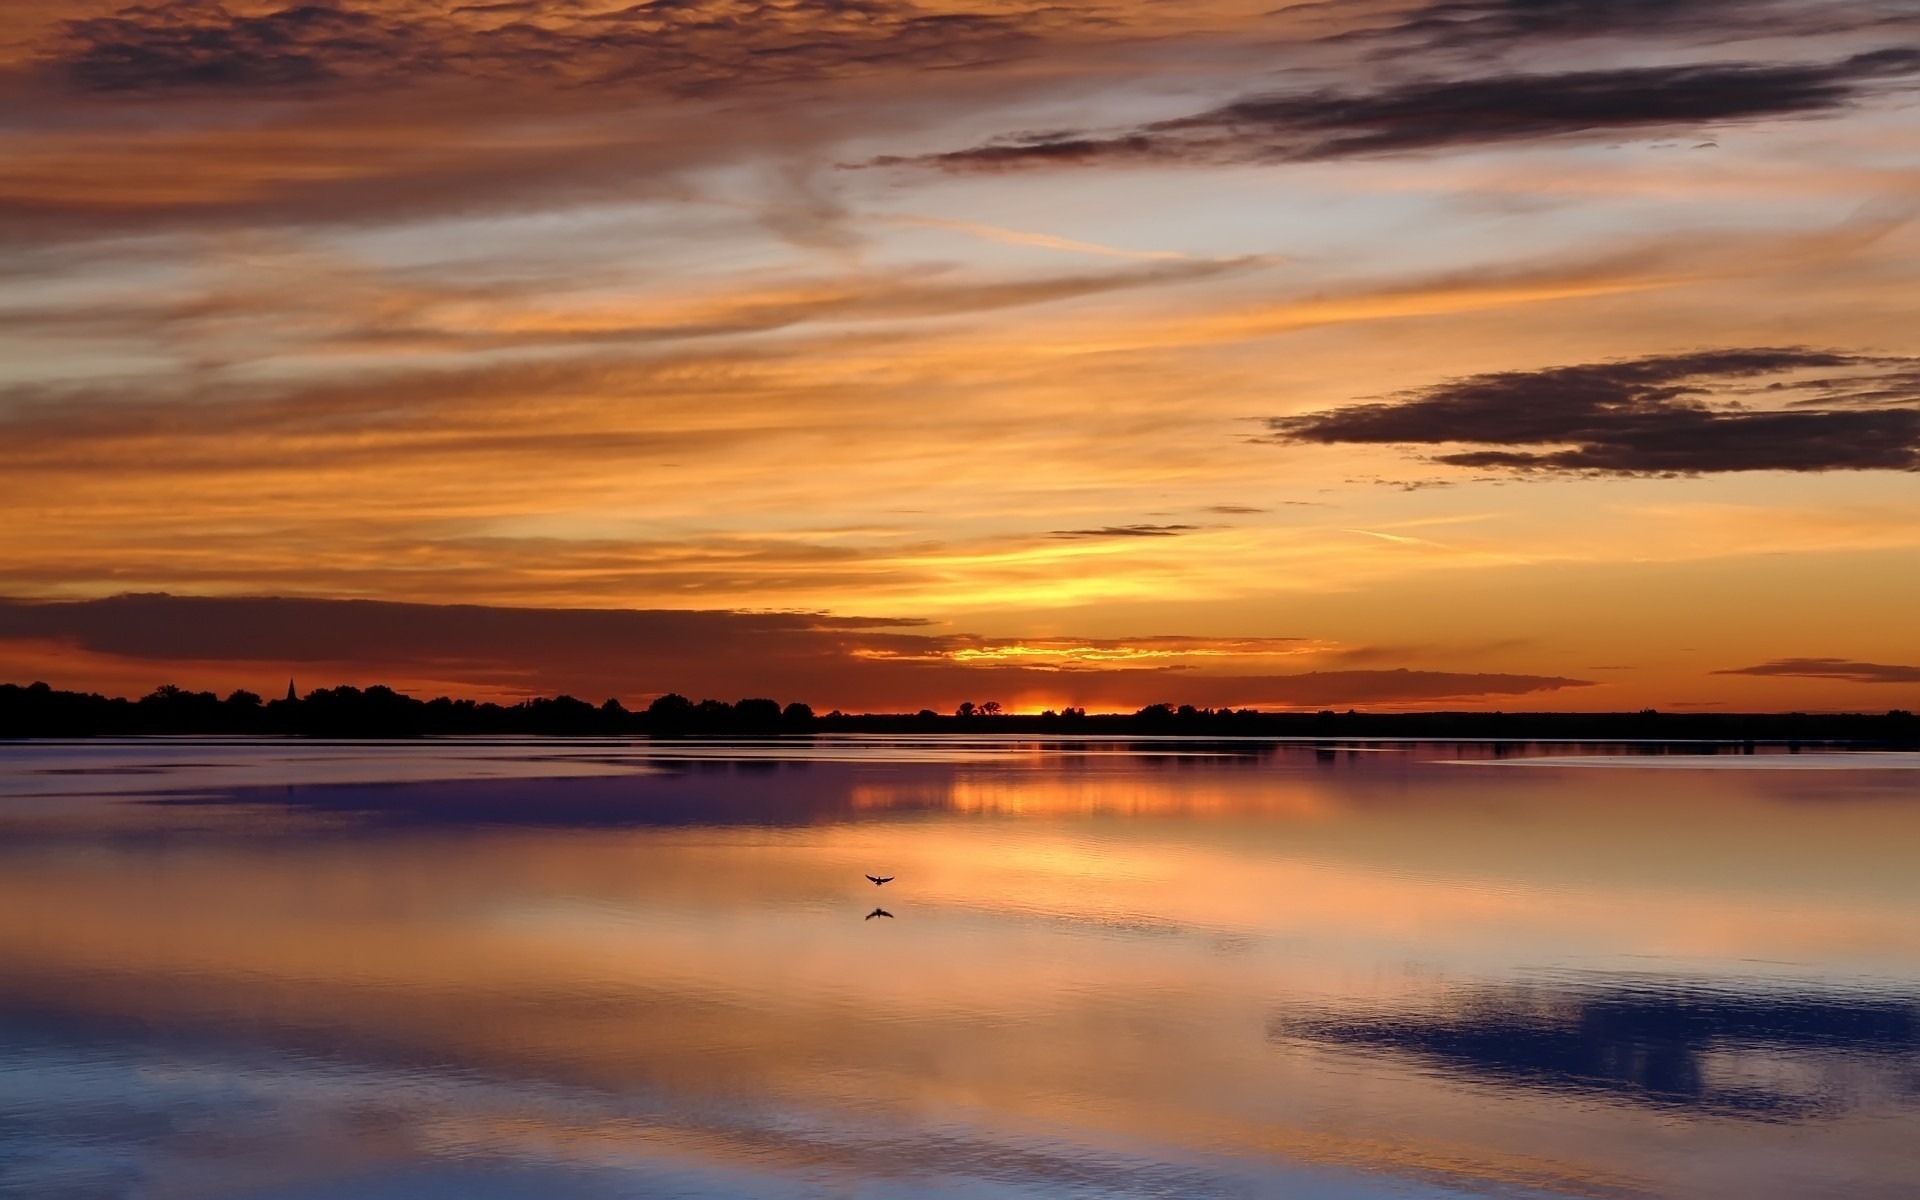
(1121, 951)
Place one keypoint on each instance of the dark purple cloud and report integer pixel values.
(1482, 110)
(197, 46)
(1494, 26)
(191, 45)
(1652, 416)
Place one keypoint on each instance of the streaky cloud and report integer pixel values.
(1436, 114)
(1830, 668)
(1491, 26)
(1650, 416)
(1401, 686)
(1125, 531)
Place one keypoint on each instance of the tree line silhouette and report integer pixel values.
(38, 710)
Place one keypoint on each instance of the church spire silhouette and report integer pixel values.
(291, 694)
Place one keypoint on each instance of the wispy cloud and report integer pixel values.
(1125, 531)
(1043, 241)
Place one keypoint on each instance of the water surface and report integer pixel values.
(1105, 968)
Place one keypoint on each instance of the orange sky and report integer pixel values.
(1045, 329)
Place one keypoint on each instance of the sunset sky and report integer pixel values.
(1518, 354)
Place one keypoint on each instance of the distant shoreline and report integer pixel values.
(38, 710)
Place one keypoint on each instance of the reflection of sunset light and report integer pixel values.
(1143, 919)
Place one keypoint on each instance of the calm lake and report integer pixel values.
(1104, 968)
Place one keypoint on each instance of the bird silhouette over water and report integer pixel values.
(878, 880)
(879, 912)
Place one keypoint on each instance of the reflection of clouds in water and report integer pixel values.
(1761, 1054)
(90, 1114)
(675, 788)
(660, 984)
(699, 797)
(151, 766)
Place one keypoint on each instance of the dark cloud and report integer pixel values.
(855, 663)
(204, 46)
(1432, 114)
(162, 626)
(1671, 414)
(682, 44)
(1125, 531)
(1494, 25)
(1830, 668)
(1472, 21)
(1236, 510)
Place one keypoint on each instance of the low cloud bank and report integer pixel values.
(854, 663)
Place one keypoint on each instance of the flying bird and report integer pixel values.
(878, 880)
(879, 912)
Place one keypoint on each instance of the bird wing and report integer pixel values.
(877, 880)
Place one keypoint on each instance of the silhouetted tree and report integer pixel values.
(670, 714)
(170, 709)
(1155, 716)
(562, 714)
(245, 711)
(757, 715)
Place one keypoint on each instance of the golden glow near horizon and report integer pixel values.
(585, 307)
